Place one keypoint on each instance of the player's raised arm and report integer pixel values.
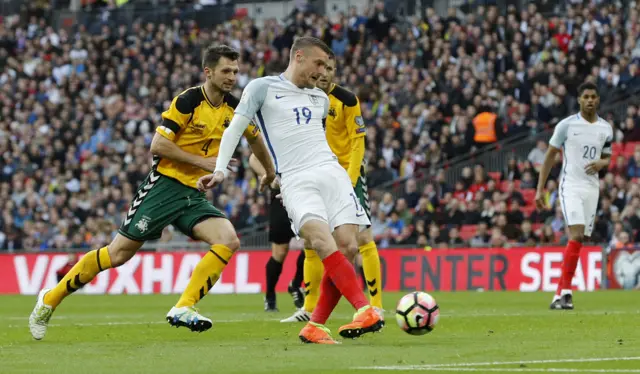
(357, 131)
(174, 120)
(555, 144)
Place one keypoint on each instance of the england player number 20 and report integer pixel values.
(306, 113)
(589, 152)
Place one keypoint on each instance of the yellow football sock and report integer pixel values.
(313, 269)
(83, 272)
(372, 273)
(205, 275)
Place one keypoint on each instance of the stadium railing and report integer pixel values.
(495, 157)
(9, 7)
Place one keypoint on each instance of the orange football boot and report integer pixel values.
(316, 334)
(364, 321)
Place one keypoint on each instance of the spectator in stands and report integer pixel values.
(527, 236)
(404, 213)
(630, 129)
(511, 172)
(515, 215)
(481, 237)
(460, 192)
(471, 214)
(395, 224)
(411, 194)
(387, 204)
(509, 230)
(488, 211)
(453, 215)
(498, 239)
(404, 238)
(380, 175)
(536, 156)
(620, 167)
(256, 216)
(378, 223)
(487, 130)
(547, 235)
(633, 168)
(527, 180)
(418, 234)
(619, 237)
(436, 237)
(511, 194)
(631, 212)
(454, 238)
(424, 211)
(552, 193)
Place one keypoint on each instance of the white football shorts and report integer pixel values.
(324, 193)
(579, 206)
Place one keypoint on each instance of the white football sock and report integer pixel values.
(566, 292)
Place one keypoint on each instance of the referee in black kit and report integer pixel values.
(280, 235)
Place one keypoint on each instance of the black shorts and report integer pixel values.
(279, 224)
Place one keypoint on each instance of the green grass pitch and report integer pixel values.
(479, 332)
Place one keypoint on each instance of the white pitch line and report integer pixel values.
(515, 370)
(470, 365)
(248, 316)
(554, 361)
(254, 316)
(124, 323)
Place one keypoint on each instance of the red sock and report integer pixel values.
(569, 265)
(329, 298)
(344, 278)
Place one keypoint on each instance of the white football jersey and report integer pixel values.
(582, 142)
(291, 121)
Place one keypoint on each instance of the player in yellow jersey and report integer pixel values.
(185, 147)
(345, 131)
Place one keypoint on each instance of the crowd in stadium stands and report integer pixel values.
(496, 209)
(79, 111)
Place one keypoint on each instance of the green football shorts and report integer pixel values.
(161, 201)
(362, 191)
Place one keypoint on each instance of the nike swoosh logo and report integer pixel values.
(359, 215)
(576, 133)
(279, 97)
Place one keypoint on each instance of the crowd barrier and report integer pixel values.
(488, 269)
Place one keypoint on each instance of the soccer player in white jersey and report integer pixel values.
(316, 191)
(585, 140)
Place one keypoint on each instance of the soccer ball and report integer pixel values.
(417, 313)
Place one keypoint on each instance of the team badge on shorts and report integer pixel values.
(143, 224)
